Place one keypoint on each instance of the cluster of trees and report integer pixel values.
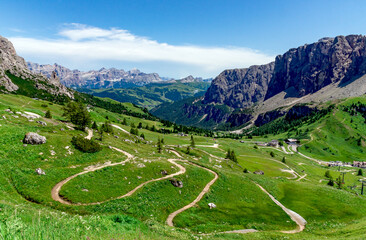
(355, 109)
(85, 145)
(231, 155)
(290, 123)
(78, 114)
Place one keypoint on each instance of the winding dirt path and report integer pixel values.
(302, 177)
(90, 134)
(123, 130)
(55, 192)
(300, 221)
(171, 216)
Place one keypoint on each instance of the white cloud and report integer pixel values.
(85, 44)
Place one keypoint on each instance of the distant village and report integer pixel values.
(291, 141)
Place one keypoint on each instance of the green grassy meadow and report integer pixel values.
(27, 210)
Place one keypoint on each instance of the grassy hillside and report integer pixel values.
(151, 95)
(28, 210)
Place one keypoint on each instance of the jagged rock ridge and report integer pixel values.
(103, 78)
(240, 88)
(329, 69)
(12, 64)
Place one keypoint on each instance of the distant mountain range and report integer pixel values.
(103, 78)
(331, 68)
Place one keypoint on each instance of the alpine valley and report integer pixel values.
(275, 151)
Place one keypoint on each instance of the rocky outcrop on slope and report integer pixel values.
(103, 78)
(34, 138)
(240, 88)
(329, 69)
(309, 68)
(12, 64)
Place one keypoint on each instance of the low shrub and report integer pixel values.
(85, 145)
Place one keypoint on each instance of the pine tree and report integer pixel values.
(272, 154)
(360, 172)
(48, 114)
(142, 136)
(140, 125)
(228, 154)
(77, 114)
(188, 151)
(233, 156)
(162, 141)
(284, 159)
(94, 126)
(327, 174)
(159, 145)
(245, 170)
(193, 144)
(339, 182)
(124, 122)
(331, 182)
(101, 134)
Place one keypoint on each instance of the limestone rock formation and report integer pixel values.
(309, 68)
(11, 63)
(240, 88)
(34, 138)
(332, 68)
(103, 78)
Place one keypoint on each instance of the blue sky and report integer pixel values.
(173, 38)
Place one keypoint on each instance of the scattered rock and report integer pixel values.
(34, 138)
(141, 165)
(176, 183)
(164, 172)
(62, 129)
(39, 171)
(212, 205)
(67, 147)
(85, 190)
(53, 153)
(24, 145)
(259, 172)
(139, 177)
(42, 123)
(116, 136)
(4, 117)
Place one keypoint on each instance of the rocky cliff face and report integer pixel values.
(331, 68)
(11, 63)
(311, 67)
(103, 78)
(240, 88)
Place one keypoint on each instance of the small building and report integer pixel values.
(359, 164)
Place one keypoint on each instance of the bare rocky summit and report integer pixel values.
(332, 68)
(11, 63)
(240, 88)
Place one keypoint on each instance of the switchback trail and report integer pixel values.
(171, 216)
(56, 189)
